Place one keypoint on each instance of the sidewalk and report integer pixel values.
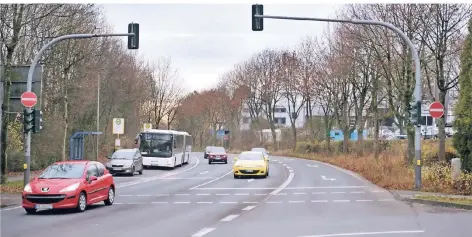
(10, 199)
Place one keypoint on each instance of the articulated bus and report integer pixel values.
(164, 148)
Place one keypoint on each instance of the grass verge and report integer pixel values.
(461, 201)
(12, 187)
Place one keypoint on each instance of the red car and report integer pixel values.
(217, 154)
(69, 184)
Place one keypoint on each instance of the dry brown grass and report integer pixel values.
(390, 170)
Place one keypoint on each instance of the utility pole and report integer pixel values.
(98, 111)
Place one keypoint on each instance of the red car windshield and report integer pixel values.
(63, 171)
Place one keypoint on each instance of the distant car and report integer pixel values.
(217, 154)
(126, 161)
(263, 150)
(251, 163)
(207, 150)
(69, 184)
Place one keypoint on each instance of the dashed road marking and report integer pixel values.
(358, 192)
(241, 194)
(250, 202)
(229, 218)
(367, 233)
(281, 194)
(182, 194)
(318, 193)
(273, 202)
(203, 232)
(260, 194)
(248, 208)
(204, 172)
(182, 202)
(159, 202)
(364, 200)
(204, 202)
(296, 201)
(319, 201)
(298, 193)
(229, 202)
(337, 192)
(222, 194)
(341, 200)
(144, 195)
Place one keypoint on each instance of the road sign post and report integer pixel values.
(147, 126)
(411, 46)
(29, 83)
(436, 110)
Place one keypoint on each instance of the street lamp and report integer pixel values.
(257, 25)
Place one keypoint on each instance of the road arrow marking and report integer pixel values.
(330, 179)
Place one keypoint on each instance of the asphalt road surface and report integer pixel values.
(299, 198)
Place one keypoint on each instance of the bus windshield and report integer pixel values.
(156, 145)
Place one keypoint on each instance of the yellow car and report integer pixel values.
(251, 163)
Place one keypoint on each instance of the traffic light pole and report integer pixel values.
(414, 54)
(37, 57)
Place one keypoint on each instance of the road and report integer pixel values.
(299, 198)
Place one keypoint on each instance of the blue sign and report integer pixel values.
(220, 133)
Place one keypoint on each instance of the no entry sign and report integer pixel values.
(436, 110)
(29, 99)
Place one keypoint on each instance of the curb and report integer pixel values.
(438, 203)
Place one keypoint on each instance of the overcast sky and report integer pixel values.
(204, 40)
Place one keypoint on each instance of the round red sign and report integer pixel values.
(29, 99)
(436, 110)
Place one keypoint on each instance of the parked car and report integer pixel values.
(217, 154)
(207, 150)
(126, 161)
(69, 184)
(251, 163)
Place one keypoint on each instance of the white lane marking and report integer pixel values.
(285, 184)
(358, 192)
(204, 202)
(250, 202)
(386, 200)
(159, 202)
(119, 203)
(248, 208)
(364, 200)
(250, 180)
(236, 188)
(203, 232)
(296, 201)
(298, 193)
(204, 172)
(229, 202)
(280, 194)
(337, 192)
(315, 166)
(144, 195)
(260, 194)
(326, 187)
(222, 194)
(291, 171)
(241, 194)
(319, 201)
(318, 192)
(378, 191)
(125, 195)
(229, 218)
(203, 194)
(211, 181)
(329, 179)
(145, 180)
(182, 202)
(273, 202)
(341, 200)
(368, 233)
(288, 167)
(182, 194)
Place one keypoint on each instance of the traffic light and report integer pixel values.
(257, 22)
(37, 120)
(133, 41)
(27, 120)
(415, 112)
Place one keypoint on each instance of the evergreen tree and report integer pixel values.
(463, 113)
